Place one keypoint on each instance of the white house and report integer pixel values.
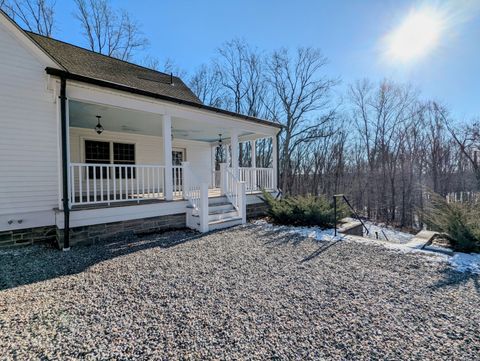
(91, 146)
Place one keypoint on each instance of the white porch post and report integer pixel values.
(275, 161)
(253, 186)
(223, 178)
(254, 153)
(234, 147)
(167, 155)
(212, 162)
(203, 207)
(186, 179)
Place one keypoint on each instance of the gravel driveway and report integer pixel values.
(244, 293)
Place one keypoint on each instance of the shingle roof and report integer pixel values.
(90, 64)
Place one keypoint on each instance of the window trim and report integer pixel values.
(110, 141)
(111, 149)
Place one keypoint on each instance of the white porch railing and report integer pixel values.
(234, 190)
(257, 179)
(108, 183)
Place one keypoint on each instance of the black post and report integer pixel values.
(335, 213)
(66, 209)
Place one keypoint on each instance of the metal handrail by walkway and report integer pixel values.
(335, 196)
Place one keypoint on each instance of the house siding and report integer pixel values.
(28, 139)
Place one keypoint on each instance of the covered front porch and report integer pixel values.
(121, 156)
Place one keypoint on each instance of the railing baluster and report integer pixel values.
(147, 191)
(72, 184)
(88, 184)
(94, 183)
(80, 182)
(108, 183)
(138, 184)
(114, 178)
(101, 183)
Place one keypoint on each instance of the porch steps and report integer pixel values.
(221, 214)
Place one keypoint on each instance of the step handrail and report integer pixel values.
(335, 196)
(235, 191)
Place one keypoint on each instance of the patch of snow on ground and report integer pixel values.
(392, 235)
(461, 262)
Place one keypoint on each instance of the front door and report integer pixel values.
(178, 156)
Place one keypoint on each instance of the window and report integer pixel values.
(99, 153)
(124, 154)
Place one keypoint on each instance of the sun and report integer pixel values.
(417, 36)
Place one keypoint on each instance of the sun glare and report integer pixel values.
(416, 36)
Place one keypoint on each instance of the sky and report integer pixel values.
(356, 36)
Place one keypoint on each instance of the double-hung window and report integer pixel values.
(124, 154)
(110, 153)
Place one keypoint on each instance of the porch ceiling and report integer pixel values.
(83, 115)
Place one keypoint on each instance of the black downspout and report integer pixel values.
(278, 158)
(66, 207)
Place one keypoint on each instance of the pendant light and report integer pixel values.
(99, 127)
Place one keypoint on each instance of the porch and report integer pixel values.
(121, 156)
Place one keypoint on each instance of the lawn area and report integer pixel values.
(247, 292)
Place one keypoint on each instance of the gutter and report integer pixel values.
(106, 84)
(65, 200)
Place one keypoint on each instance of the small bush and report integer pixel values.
(304, 211)
(460, 222)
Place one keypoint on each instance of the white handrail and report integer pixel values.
(92, 183)
(235, 191)
(257, 179)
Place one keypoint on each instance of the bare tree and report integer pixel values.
(302, 92)
(467, 137)
(206, 84)
(35, 15)
(109, 31)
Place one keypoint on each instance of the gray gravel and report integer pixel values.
(245, 293)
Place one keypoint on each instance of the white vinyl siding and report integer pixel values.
(28, 133)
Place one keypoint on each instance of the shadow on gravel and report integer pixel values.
(325, 245)
(453, 278)
(42, 262)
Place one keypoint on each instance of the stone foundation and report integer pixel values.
(256, 210)
(27, 236)
(99, 232)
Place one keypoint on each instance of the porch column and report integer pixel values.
(167, 155)
(253, 164)
(234, 147)
(275, 161)
(213, 173)
(254, 153)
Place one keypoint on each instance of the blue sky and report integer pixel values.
(349, 33)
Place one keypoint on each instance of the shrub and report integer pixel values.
(460, 222)
(304, 211)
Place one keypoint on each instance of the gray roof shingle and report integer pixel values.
(90, 64)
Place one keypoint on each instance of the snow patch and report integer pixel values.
(461, 262)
